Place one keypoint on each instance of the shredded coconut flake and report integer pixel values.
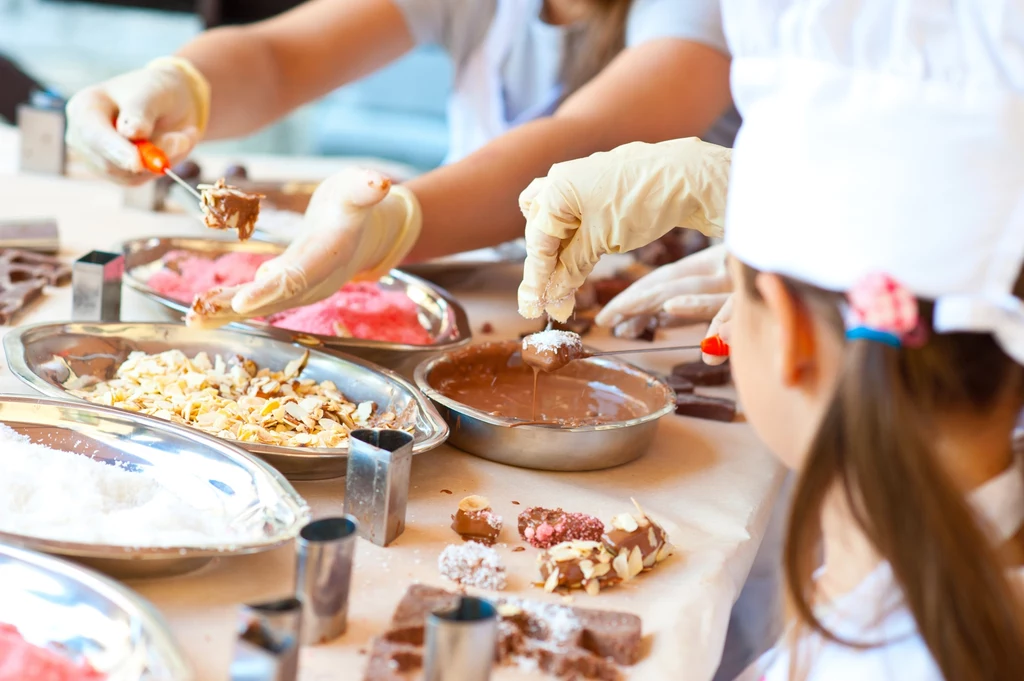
(472, 564)
(52, 494)
(552, 340)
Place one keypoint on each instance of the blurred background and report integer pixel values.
(397, 114)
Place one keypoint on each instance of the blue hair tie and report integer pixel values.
(865, 333)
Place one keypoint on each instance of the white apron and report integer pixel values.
(476, 108)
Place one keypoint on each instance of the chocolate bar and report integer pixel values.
(475, 521)
(679, 384)
(566, 642)
(40, 236)
(706, 407)
(700, 373)
(542, 528)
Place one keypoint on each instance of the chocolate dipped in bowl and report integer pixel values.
(594, 413)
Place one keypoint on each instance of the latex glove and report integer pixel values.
(167, 102)
(357, 226)
(613, 202)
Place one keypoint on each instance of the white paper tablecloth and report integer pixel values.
(711, 484)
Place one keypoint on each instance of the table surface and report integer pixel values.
(711, 484)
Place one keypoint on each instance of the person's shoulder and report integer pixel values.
(696, 20)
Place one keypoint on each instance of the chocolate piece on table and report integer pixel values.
(24, 265)
(475, 521)
(636, 533)
(583, 565)
(552, 350)
(694, 242)
(17, 291)
(236, 172)
(577, 325)
(586, 296)
(679, 384)
(706, 407)
(565, 642)
(188, 170)
(472, 564)
(542, 528)
(700, 373)
(226, 207)
(607, 289)
(668, 249)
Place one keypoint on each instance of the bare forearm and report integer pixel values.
(666, 90)
(243, 98)
(261, 72)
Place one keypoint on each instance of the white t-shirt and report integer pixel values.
(873, 613)
(534, 64)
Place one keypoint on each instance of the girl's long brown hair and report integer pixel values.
(604, 36)
(876, 445)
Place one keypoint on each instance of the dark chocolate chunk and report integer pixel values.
(236, 172)
(487, 328)
(188, 170)
(706, 407)
(566, 642)
(700, 373)
(679, 384)
(607, 289)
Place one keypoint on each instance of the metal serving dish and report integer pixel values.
(59, 605)
(550, 447)
(41, 355)
(197, 467)
(439, 313)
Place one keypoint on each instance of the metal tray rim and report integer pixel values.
(13, 345)
(120, 595)
(286, 493)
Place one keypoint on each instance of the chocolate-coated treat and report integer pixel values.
(475, 521)
(577, 325)
(236, 172)
(565, 642)
(586, 565)
(606, 289)
(679, 384)
(188, 170)
(663, 251)
(542, 528)
(551, 350)
(637, 537)
(706, 407)
(700, 373)
(472, 564)
(226, 207)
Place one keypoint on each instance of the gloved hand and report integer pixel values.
(612, 202)
(695, 288)
(357, 226)
(167, 102)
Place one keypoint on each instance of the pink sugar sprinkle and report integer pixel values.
(363, 309)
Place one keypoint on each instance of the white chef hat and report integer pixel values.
(892, 149)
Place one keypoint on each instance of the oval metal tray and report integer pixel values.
(439, 313)
(245, 490)
(551, 447)
(42, 356)
(63, 606)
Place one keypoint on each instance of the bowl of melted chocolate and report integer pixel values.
(592, 413)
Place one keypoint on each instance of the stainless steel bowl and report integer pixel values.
(43, 355)
(439, 313)
(57, 604)
(244, 490)
(554, 448)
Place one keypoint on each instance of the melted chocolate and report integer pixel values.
(493, 378)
